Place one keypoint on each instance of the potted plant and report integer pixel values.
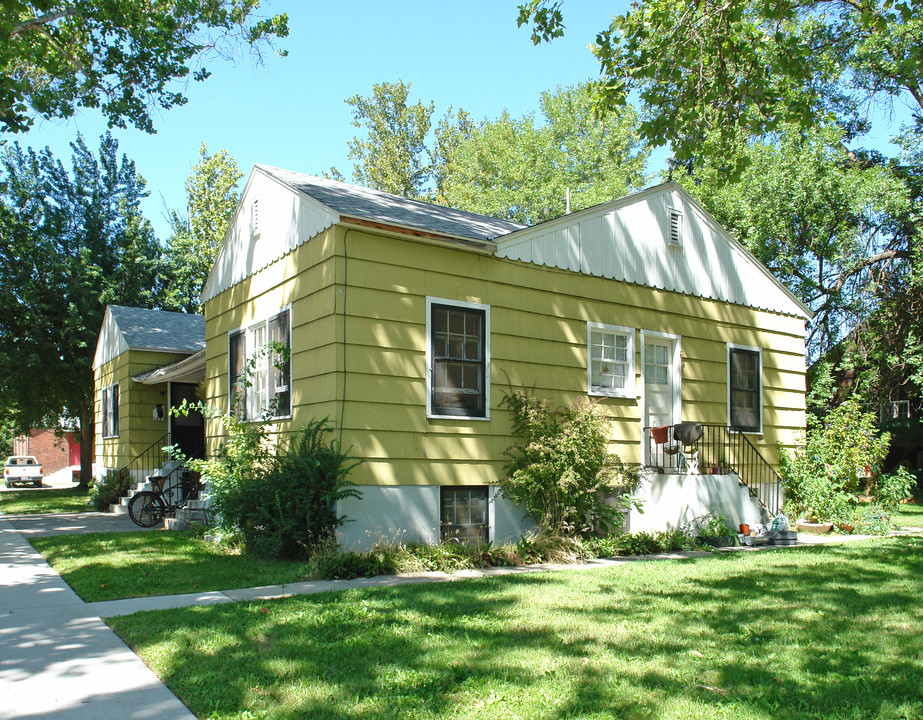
(714, 530)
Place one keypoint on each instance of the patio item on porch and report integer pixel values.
(687, 434)
(660, 434)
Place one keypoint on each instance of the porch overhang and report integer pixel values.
(187, 370)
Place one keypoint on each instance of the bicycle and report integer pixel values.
(149, 507)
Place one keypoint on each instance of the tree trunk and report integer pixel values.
(86, 451)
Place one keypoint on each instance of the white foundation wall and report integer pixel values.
(411, 514)
(670, 501)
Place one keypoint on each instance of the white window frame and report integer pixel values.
(109, 410)
(250, 351)
(759, 390)
(430, 301)
(629, 391)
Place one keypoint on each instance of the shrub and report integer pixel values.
(892, 489)
(288, 511)
(560, 469)
(109, 489)
(821, 477)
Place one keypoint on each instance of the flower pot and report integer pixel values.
(811, 527)
(660, 434)
(744, 529)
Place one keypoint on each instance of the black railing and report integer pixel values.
(720, 450)
(154, 460)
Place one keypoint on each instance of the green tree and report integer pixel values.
(824, 224)
(72, 243)
(705, 70)
(509, 167)
(517, 169)
(211, 199)
(393, 157)
(121, 57)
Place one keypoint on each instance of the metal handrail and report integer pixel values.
(150, 461)
(721, 449)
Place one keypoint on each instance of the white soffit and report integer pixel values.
(628, 240)
(285, 219)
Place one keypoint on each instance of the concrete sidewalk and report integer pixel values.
(58, 659)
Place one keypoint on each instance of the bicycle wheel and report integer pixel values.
(146, 509)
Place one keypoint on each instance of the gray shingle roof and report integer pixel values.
(159, 329)
(376, 206)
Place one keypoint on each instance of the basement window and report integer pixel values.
(464, 515)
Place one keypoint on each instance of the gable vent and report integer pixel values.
(676, 228)
(255, 218)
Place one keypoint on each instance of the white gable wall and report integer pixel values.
(111, 342)
(286, 219)
(628, 240)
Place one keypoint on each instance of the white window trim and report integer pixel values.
(759, 355)
(430, 301)
(246, 330)
(629, 391)
(106, 412)
(677, 366)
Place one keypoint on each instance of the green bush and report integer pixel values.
(109, 489)
(893, 488)
(289, 510)
(560, 469)
(822, 476)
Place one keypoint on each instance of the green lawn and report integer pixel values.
(19, 502)
(111, 566)
(826, 632)
(909, 515)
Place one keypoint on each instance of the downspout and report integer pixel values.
(342, 358)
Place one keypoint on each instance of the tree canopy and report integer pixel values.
(706, 69)
(72, 243)
(516, 168)
(825, 225)
(524, 170)
(122, 57)
(211, 199)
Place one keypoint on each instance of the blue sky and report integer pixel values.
(291, 113)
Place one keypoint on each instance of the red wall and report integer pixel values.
(54, 453)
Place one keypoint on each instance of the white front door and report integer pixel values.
(662, 378)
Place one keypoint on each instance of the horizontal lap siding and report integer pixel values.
(137, 428)
(538, 340)
(303, 279)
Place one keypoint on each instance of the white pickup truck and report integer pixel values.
(22, 470)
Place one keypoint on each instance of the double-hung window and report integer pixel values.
(110, 411)
(611, 360)
(745, 388)
(259, 368)
(458, 359)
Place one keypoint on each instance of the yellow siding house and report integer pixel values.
(407, 322)
(145, 362)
